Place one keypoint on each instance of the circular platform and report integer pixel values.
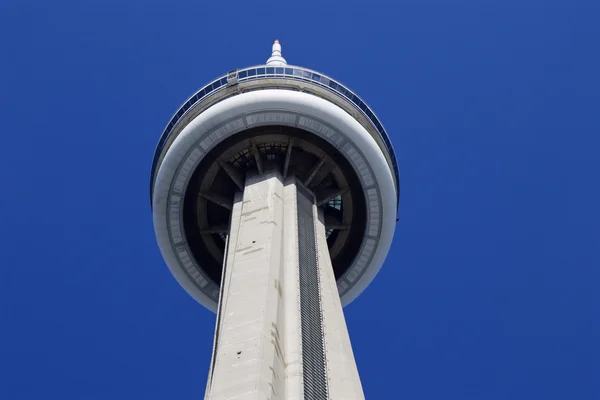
(201, 160)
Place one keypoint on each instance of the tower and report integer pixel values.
(274, 192)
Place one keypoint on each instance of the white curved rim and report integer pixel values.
(273, 107)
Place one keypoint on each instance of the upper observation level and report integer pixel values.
(306, 125)
(276, 74)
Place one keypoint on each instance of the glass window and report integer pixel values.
(223, 81)
(270, 70)
(316, 77)
(297, 72)
(242, 74)
(251, 72)
(279, 71)
(306, 74)
(289, 71)
(261, 71)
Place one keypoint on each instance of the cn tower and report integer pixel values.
(274, 193)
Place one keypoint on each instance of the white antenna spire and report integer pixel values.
(276, 58)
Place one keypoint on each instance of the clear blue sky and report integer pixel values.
(491, 289)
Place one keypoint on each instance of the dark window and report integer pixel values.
(289, 71)
(279, 71)
(242, 74)
(270, 70)
(261, 71)
(251, 72)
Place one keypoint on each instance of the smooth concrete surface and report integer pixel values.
(249, 361)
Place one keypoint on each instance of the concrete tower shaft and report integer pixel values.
(280, 330)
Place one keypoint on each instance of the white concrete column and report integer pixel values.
(249, 360)
(291, 295)
(342, 374)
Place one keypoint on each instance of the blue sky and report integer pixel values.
(491, 289)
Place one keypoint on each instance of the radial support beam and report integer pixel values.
(216, 229)
(332, 222)
(288, 156)
(314, 171)
(257, 157)
(327, 194)
(217, 199)
(326, 170)
(234, 174)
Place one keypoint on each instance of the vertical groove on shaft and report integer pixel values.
(313, 352)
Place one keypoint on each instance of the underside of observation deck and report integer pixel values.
(294, 153)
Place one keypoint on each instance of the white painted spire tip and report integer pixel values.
(276, 58)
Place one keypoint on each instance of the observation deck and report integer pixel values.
(299, 121)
